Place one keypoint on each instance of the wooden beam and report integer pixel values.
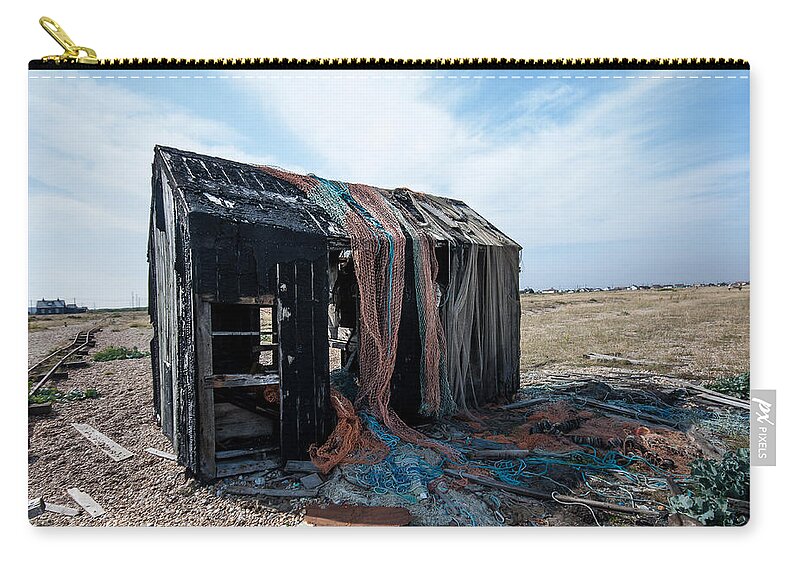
(40, 409)
(241, 380)
(86, 501)
(259, 300)
(232, 422)
(295, 466)
(356, 515)
(61, 510)
(302, 324)
(228, 454)
(108, 446)
(311, 481)
(163, 454)
(229, 468)
(725, 401)
(236, 333)
(35, 507)
(256, 492)
(206, 421)
(621, 360)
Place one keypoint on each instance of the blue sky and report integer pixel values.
(605, 178)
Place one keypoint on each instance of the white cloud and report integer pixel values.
(590, 178)
(546, 179)
(91, 146)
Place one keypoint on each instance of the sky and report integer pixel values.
(604, 178)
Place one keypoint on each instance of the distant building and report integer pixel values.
(57, 307)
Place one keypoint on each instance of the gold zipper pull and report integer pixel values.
(72, 52)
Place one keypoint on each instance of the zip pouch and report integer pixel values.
(385, 292)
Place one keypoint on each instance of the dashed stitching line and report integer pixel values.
(498, 77)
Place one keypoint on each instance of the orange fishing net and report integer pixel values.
(348, 442)
(379, 257)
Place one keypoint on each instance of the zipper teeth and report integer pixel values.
(391, 63)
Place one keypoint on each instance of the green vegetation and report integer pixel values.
(54, 395)
(118, 353)
(737, 386)
(713, 484)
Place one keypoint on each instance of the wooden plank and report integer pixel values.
(111, 448)
(311, 481)
(40, 409)
(159, 453)
(542, 496)
(259, 300)
(296, 466)
(621, 360)
(61, 510)
(356, 515)
(289, 340)
(320, 415)
(232, 422)
(86, 501)
(343, 344)
(302, 324)
(723, 400)
(241, 380)
(255, 492)
(206, 421)
(230, 453)
(229, 468)
(35, 507)
(54, 376)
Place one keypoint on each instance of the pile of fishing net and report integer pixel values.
(409, 476)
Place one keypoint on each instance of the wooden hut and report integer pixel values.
(253, 301)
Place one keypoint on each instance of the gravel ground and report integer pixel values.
(141, 491)
(146, 490)
(59, 332)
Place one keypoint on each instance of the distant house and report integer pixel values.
(57, 307)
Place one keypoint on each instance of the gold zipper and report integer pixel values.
(72, 52)
(78, 56)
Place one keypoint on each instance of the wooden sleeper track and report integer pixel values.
(54, 365)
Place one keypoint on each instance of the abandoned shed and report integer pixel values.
(267, 286)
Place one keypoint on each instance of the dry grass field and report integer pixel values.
(701, 333)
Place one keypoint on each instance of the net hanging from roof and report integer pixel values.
(378, 243)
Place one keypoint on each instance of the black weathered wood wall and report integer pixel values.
(406, 397)
(302, 318)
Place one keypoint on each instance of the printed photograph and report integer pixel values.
(388, 297)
